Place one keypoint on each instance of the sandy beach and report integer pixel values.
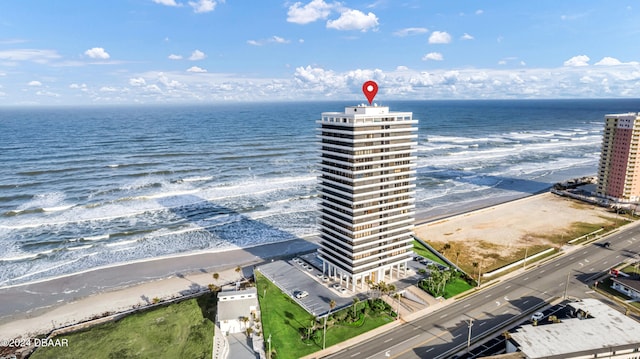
(39, 307)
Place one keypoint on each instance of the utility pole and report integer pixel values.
(566, 287)
(469, 336)
(524, 263)
(479, 273)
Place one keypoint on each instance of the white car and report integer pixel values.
(301, 294)
(537, 316)
(342, 290)
(335, 286)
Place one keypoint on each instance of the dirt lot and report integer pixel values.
(498, 235)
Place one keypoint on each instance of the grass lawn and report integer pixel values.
(179, 330)
(282, 317)
(420, 250)
(455, 287)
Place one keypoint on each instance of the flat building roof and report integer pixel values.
(605, 328)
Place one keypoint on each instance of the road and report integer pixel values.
(443, 332)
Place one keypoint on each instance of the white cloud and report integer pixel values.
(466, 37)
(354, 20)
(279, 40)
(273, 39)
(197, 55)
(313, 11)
(47, 94)
(167, 2)
(138, 81)
(97, 53)
(479, 12)
(402, 68)
(435, 56)
(196, 69)
(409, 31)
(78, 86)
(609, 61)
(439, 37)
(578, 61)
(35, 83)
(108, 89)
(202, 6)
(175, 57)
(34, 55)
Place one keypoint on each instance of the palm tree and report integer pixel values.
(216, 276)
(355, 304)
(244, 320)
(332, 304)
(445, 248)
(214, 288)
(475, 265)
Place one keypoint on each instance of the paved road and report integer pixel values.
(438, 334)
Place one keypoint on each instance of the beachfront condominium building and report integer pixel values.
(367, 186)
(619, 169)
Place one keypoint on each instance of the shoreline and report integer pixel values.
(28, 307)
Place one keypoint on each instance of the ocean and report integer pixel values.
(87, 187)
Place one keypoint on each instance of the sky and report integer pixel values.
(97, 52)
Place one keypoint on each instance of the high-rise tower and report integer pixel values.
(367, 175)
(619, 169)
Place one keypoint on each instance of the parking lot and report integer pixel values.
(295, 277)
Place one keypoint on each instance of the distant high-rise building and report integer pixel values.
(367, 182)
(619, 169)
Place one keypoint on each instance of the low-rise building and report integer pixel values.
(236, 310)
(627, 286)
(596, 331)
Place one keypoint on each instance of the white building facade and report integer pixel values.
(367, 187)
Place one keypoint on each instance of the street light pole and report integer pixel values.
(469, 335)
(269, 341)
(566, 287)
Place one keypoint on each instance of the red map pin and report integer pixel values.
(370, 89)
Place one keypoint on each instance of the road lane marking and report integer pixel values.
(481, 324)
(443, 315)
(487, 296)
(497, 303)
(605, 262)
(352, 355)
(507, 287)
(466, 305)
(542, 271)
(388, 340)
(557, 264)
(526, 279)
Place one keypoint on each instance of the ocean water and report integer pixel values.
(87, 187)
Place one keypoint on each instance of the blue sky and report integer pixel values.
(80, 52)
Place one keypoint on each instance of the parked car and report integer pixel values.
(537, 316)
(606, 244)
(301, 294)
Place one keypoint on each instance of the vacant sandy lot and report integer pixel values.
(499, 233)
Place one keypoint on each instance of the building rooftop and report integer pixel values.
(629, 282)
(604, 328)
